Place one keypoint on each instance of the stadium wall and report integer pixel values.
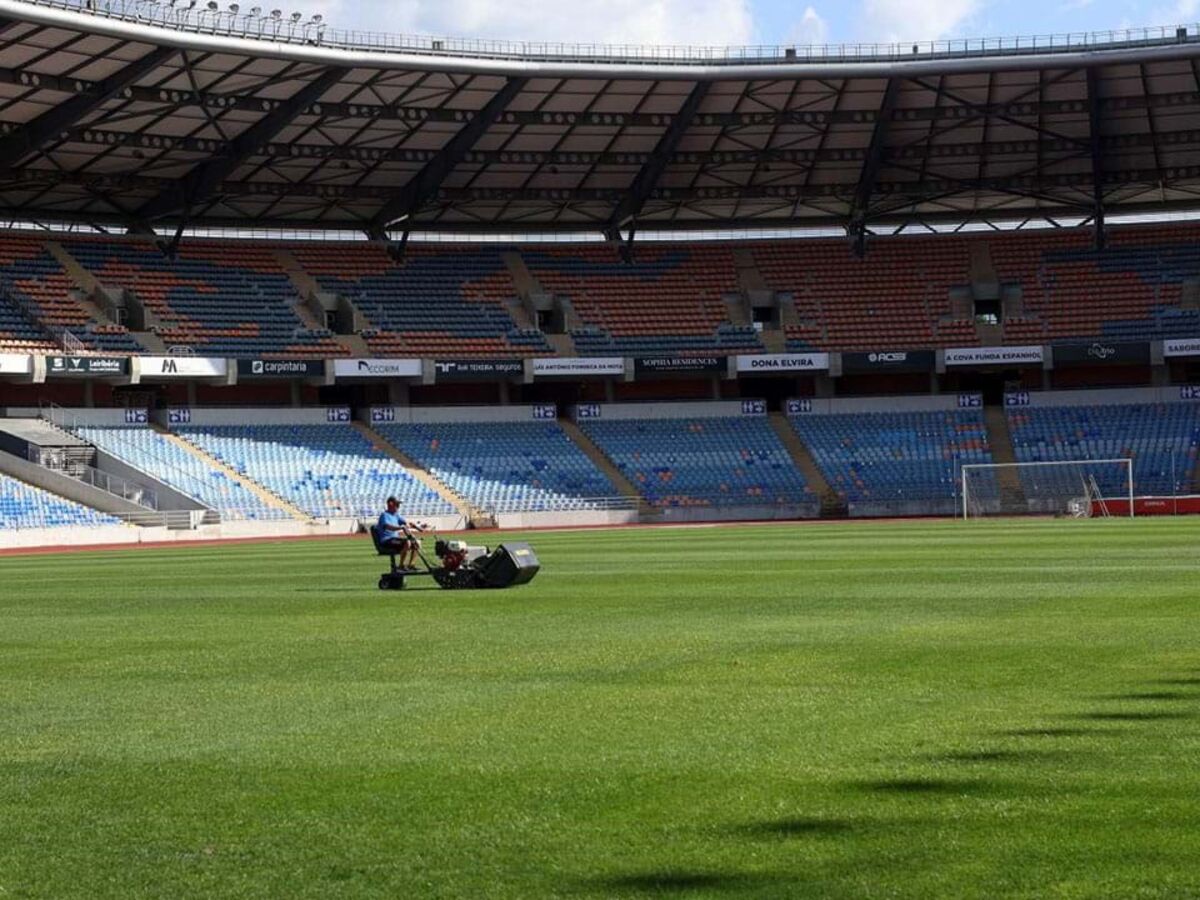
(925, 403)
(1108, 396)
(418, 415)
(120, 535)
(715, 409)
(253, 415)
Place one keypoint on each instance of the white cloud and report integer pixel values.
(574, 21)
(1177, 13)
(915, 20)
(1181, 11)
(811, 29)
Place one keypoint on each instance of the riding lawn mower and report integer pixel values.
(461, 566)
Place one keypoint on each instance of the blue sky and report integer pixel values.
(746, 21)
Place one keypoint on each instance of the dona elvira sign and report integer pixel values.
(783, 363)
(1103, 353)
(478, 369)
(888, 361)
(688, 365)
(280, 368)
(579, 367)
(1186, 347)
(377, 368)
(995, 356)
(183, 367)
(86, 366)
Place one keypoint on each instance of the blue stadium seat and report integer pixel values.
(24, 506)
(440, 302)
(152, 453)
(900, 457)
(1160, 438)
(229, 299)
(326, 470)
(718, 462)
(505, 467)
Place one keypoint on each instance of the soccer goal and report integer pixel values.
(1094, 488)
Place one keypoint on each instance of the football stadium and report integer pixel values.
(468, 468)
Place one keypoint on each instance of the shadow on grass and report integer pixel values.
(800, 826)
(1058, 732)
(1150, 696)
(674, 881)
(1126, 716)
(1001, 756)
(929, 787)
(1178, 682)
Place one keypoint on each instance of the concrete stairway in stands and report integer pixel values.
(737, 310)
(307, 306)
(382, 444)
(774, 340)
(526, 284)
(605, 465)
(84, 279)
(89, 286)
(1008, 481)
(561, 344)
(832, 506)
(982, 271)
(151, 341)
(748, 275)
(305, 285)
(268, 497)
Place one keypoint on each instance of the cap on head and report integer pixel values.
(392, 500)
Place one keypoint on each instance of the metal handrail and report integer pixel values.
(184, 481)
(119, 487)
(315, 32)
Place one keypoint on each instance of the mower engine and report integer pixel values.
(457, 554)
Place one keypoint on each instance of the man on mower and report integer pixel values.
(396, 532)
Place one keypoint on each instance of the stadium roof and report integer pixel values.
(141, 115)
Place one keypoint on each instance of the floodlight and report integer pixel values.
(295, 17)
(276, 14)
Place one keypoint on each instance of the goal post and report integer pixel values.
(1080, 488)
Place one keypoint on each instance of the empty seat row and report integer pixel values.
(506, 467)
(718, 462)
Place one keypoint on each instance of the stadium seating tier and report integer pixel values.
(326, 470)
(714, 462)
(900, 457)
(505, 467)
(25, 506)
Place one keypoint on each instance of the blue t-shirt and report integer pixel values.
(395, 520)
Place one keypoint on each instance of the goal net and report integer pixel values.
(1093, 488)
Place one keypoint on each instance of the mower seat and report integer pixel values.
(380, 547)
(388, 581)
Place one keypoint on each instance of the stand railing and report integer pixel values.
(314, 32)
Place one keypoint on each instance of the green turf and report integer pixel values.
(853, 710)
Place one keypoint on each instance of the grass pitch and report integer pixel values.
(907, 710)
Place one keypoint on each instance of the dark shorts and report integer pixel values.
(400, 541)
